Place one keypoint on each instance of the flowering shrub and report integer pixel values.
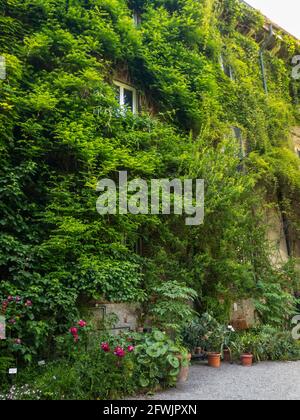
(24, 334)
(96, 367)
(102, 366)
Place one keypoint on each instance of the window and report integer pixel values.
(227, 69)
(241, 147)
(238, 135)
(137, 19)
(127, 97)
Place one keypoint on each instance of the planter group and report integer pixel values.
(214, 359)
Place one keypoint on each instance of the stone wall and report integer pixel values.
(243, 315)
(126, 315)
(276, 237)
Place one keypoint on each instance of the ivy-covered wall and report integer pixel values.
(61, 131)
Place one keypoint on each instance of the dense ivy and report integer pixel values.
(61, 131)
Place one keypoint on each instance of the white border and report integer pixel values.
(123, 86)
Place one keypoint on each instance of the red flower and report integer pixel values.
(82, 323)
(105, 347)
(76, 338)
(130, 349)
(4, 305)
(28, 303)
(74, 331)
(119, 352)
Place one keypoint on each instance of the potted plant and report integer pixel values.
(226, 350)
(247, 359)
(214, 346)
(247, 350)
(243, 348)
(214, 342)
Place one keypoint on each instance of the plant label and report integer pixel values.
(13, 371)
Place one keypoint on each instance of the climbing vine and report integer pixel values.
(61, 131)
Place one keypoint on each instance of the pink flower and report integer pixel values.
(10, 298)
(5, 304)
(74, 331)
(12, 321)
(119, 352)
(76, 338)
(130, 349)
(82, 323)
(28, 303)
(18, 299)
(18, 341)
(105, 347)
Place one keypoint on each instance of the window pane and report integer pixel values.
(118, 94)
(128, 99)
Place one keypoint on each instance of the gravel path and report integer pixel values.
(264, 381)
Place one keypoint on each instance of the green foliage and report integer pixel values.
(205, 332)
(5, 363)
(266, 343)
(89, 372)
(172, 305)
(61, 130)
(158, 360)
(276, 306)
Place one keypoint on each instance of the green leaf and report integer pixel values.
(173, 361)
(144, 382)
(174, 372)
(155, 350)
(159, 336)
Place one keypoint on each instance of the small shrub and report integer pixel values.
(266, 344)
(102, 366)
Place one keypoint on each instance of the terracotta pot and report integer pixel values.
(183, 375)
(214, 360)
(247, 360)
(227, 356)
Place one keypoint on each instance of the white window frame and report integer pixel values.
(136, 18)
(238, 135)
(122, 87)
(223, 67)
